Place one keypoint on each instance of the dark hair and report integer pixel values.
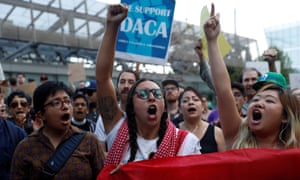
(20, 73)
(239, 87)
(77, 96)
(189, 89)
(136, 75)
(132, 121)
(20, 94)
(45, 90)
(12, 81)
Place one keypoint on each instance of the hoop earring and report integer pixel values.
(283, 128)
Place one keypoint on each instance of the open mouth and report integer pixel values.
(66, 117)
(152, 110)
(256, 114)
(79, 112)
(191, 109)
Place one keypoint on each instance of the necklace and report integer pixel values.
(192, 130)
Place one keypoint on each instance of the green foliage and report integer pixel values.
(234, 73)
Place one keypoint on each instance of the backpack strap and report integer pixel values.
(61, 155)
(180, 138)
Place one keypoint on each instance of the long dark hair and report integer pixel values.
(132, 122)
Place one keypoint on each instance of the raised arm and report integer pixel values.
(205, 73)
(228, 113)
(108, 105)
(270, 55)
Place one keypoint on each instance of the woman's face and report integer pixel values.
(148, 105)
(265, 113)
(191, 106)
(296, 93)
(58, 111)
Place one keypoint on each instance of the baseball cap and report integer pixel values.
(170, 81)
(90, 85)
(270, 77)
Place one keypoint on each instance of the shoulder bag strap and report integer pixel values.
(61, 155)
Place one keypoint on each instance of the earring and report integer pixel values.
(283, 128)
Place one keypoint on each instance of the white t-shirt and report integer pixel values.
(190, 145)
(100, 130)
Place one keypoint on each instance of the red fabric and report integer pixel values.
(167, 148)
(234, 164)
(117, 150)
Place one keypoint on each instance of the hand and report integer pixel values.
(117, 168)
(3, 113)
(37, 124)
(116, 13)
(20, 119)
(270, 55)
(212, 25)
(198, 49)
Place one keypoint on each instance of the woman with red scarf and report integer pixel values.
(144, 130)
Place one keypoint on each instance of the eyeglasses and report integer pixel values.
(58, 104)
(171, 89)
(145, 93)
(16, 104)
(79, 104)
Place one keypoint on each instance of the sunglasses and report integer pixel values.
(16, 104)
(145, 93)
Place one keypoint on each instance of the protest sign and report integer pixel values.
(76, 72)
(145, 34)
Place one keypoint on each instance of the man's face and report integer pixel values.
(21, 79)
(171, 93)
(127, 79)
(249, 78)
(80, 109)
(239, 99)
(58, 111)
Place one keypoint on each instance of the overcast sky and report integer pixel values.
(252, 16)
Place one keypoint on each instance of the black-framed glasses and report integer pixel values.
(145, 93)
(16, 104)
(58, 104)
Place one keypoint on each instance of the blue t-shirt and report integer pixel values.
(10, 136)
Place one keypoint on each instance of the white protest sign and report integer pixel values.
(294, 80)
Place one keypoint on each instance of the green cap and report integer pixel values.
(270, 77)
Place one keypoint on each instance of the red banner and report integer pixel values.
(234, 164)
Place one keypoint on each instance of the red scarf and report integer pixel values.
(169, 146)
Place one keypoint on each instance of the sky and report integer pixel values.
(252, 16)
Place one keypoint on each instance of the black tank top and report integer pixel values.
(208, 142)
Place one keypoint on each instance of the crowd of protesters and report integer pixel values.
(100, 124)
